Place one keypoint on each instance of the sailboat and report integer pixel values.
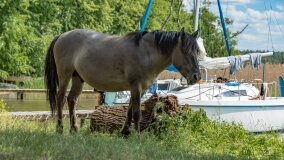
(232, 101)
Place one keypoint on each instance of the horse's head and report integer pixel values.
(184, 58)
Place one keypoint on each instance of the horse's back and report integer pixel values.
(106, 62)
(98, 58)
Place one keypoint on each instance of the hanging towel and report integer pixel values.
(236, 63)
(255, 59)
(281, 86)
(109, 98)
(153, 88)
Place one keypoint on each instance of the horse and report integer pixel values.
(115, 63)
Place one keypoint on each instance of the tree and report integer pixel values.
(28, 26)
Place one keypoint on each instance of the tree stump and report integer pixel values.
(112, 118)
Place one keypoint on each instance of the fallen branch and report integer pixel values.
(179, 9)
(112, 118)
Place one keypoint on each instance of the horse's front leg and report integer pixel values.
(133, 110)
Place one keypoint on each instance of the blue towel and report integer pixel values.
(281, 86)
(109, 98)
(236, 63)
(152, 89)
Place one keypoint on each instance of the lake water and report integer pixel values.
(38, 102)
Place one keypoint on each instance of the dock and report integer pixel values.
(43, 116)
(20, 92)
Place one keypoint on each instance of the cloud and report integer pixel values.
(255, 37)
(281, 8)
(256, 34)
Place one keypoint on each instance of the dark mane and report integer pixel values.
(166, 40)
(189, 44)
(137, 35)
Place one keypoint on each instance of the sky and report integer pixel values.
(260, 15)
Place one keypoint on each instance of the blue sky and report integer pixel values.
(254, 13)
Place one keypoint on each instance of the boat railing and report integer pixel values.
(272, 88)
(271, 92)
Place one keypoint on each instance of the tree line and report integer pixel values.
(27, 27)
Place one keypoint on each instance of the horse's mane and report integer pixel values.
(166, 40)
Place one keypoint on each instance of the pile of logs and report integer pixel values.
(112, 118)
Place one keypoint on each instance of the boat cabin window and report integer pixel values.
(233, 93)
(163, 86)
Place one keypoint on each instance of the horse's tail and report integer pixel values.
(51, 77)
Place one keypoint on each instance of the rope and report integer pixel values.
(200, 13)
(276, 20)
(198, 94)
(269, 29)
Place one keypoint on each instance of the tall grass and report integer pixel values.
(272, 73)
(190, 135)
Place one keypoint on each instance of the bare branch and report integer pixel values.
(179, 9)
(167, 20)
(239, 32)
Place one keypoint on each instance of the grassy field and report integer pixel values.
(188, 136)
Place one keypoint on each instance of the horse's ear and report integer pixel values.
(195, 34)
(181, 33)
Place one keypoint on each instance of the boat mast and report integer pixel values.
(224, 28)
(196, 13)
(146, 15)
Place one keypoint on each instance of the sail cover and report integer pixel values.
(219, 62)
(223, 62)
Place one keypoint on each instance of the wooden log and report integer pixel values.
(112, 118)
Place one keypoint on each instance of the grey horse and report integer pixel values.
(115, 63)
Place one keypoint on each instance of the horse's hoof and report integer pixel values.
(74, 129)
(125, 132)
(59, 130)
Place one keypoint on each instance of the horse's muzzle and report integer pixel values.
(193, 79)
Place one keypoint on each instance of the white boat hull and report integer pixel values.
(254, 115)
(230, 103)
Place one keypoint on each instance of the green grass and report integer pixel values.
(188, 136)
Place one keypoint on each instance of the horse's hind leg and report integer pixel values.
(60, 101)
(127, 123)
(76, 89)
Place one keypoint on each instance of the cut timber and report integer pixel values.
(112, 118)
